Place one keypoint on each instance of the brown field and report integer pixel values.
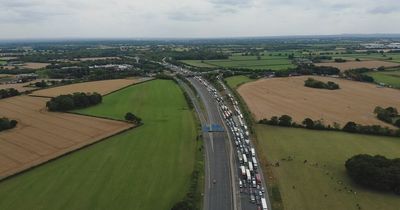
(103, 87)
(41, 135)
(354, 101)
(35, 65)
(20, 86)
(358, 64)
(97, 58)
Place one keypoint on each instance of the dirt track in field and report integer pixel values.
(41, 135)
(103, 87)
(354, 101)
(359, 64)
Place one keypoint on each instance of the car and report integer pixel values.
(252, 198)
(262, 189)
(260, 193)
(240, 184)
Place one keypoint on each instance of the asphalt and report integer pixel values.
(218, 193)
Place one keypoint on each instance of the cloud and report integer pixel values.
(194, 18)
(185, 15)
(384, 9)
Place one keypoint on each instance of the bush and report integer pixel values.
(310, 82)
(5, 123)
(73, 101)
(285, 120)
(350, 127)
(376, 172)
(133, 118)
(387, 115)
(41, 84)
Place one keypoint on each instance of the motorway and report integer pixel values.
(222, 191)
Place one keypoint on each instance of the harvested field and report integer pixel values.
(358, 64)
(20, 86)
(41, 135)
(354, 101)
(103, 87)
(32, 65)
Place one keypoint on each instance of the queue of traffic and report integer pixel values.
(250, 181)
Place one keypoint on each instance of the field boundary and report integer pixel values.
(141, 82)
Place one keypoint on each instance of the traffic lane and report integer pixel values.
(221, 194)
(209, 102)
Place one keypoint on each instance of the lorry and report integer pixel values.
(255, 165)
(253, 152)
(258, 178)
(248, 175)
(264, 204)
(243, 171)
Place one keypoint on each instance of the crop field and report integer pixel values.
(391, 77)
(273, 62)
(19, 86)
(31, 65)
(314, 177)
(392, 57)
(3, 62)
(41, 135)
(236, 81)
(148, 167)
(103, 87)
(359, 64)
(354, 101)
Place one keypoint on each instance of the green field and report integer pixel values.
(391, 78)
(273, 62)
(391, 57)
(148, 167)
(236, 81)
(3, 62)
(322, 182)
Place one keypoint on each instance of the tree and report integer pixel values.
(133, 118)
(182, 205)
(274, 120)
(285, 120)
(397, 123)
(376, 172)
(308, 123)
(350, 127)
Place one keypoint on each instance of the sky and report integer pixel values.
(21, 19)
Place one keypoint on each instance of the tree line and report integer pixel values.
(351, 127)
(73, 101)
(375, 172)
(6, 123)
(358, 75)
(313, 83)
(9, 92)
